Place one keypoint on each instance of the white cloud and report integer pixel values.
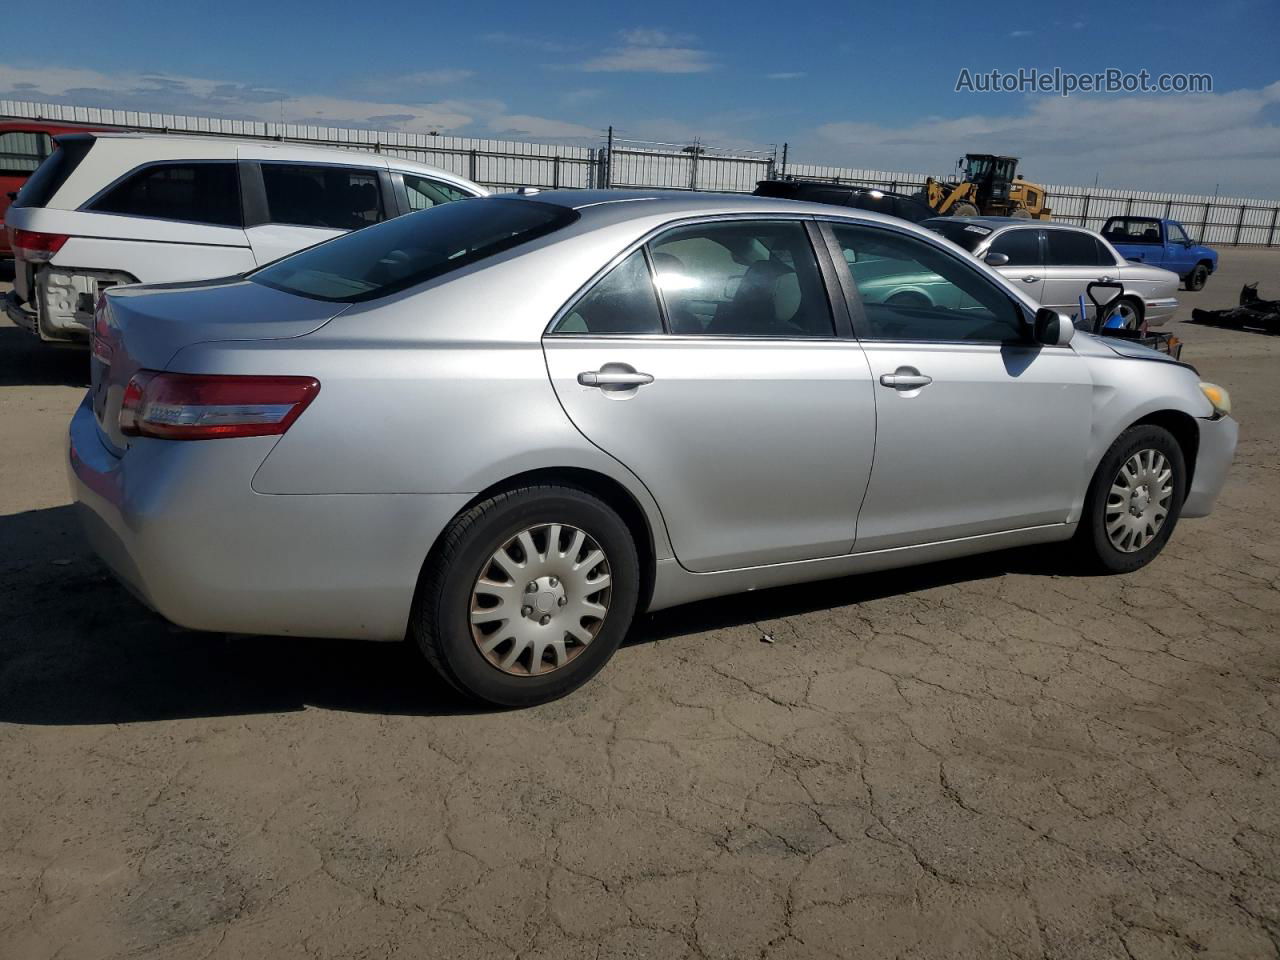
(651, 51)
(203, 96)
(1185, 143)
(543, 44)
(1019, 34)
(785, 75)
(431, 78)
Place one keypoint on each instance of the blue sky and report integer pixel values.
(861, 85)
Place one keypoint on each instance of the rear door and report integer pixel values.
(733, 397)
(293, 205)
(1073, 260)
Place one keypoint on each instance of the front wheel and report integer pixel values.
(528, 595)
(1134, 500)
(1197, 277)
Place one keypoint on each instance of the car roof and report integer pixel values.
(801, 186)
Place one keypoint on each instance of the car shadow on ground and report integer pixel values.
(76, 648)
(26, 361)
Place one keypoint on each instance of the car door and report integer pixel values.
(1178, 255)
(1025, 269)
(979, 430)
(293, 205)
(1072, 260)
(729, 394)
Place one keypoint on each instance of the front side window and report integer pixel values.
(192, 192)
(622, 302)
(912, 290)
(1022, 247)
(424, 192)
(21, 151)
(1072, 248)
(397, 254)
(742, 279)
(335, 198)
(1177, 234)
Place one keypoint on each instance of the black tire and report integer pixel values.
(1021, 213)
(440, 620)
(1195, 280)
(1096, 549)
(964, 209)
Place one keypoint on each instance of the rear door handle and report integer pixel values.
(614, 378)
(1106, 280)
(905, 381)
(1030, 279)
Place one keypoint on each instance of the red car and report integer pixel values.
(23, 146)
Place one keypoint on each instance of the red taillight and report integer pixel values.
(183, 406)
(37, 247)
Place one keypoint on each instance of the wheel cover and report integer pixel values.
(540, 600)
(1127, 313)
(1139, 501)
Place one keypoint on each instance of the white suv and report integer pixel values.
(107, 209)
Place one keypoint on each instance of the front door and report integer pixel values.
(1025, 269)
(979, 431)
(729, 396)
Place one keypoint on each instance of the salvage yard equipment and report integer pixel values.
(990, 187)
(1253, 313)
(1106, 324)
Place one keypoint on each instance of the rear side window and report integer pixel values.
(21, 151)
(1022, 247)
(424, 193)
(336, 198)
(191, 192)
(412, 249)
(54, 171)
(622, 302)
(1071, 248)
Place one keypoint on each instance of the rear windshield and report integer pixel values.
(967, 235)
(391, 256)
(53, 172)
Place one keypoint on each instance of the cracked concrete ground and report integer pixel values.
(980, 759)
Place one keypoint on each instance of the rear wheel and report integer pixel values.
(1128, 311)
(528, 595)
(1021, 213)
(1197, 277)
(1134, 500)
(964, 209)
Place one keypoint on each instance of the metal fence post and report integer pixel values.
(1271, 234)
(784, 161)
(607, 179)
(1239, 226)
(1204, 223)
(555, 172)
(473, 164)
(693, 165)
(1084, 216)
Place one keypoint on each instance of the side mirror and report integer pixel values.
(1052, 328)
(996, 259)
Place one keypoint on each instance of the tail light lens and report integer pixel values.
(37, 247)
(181, 406)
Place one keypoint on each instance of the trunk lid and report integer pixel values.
(144, 326)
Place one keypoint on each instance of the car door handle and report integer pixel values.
(905, 381)
(1106, 280)
(1030, 279)
(614, 378)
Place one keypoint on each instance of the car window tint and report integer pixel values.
(1022, 247)
(21, 151)
(337, 198)
(424, 192)
(1132, 230)
(910, 210)
(874, 201)
(1105, 256)
(192, 192)
(912, 290)
(744, 279)
(1072, 248)
(397, 254)
(623, 301)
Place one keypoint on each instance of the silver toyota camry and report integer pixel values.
(505, 426)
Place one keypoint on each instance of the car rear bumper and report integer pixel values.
(1159, 312)
(179, 524)
(1218, 438)
(18, 314)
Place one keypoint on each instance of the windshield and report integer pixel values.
(967, 235)
(391, 256)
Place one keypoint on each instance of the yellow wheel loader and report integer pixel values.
(988, 185)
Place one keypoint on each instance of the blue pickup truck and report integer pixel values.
(1162, 243)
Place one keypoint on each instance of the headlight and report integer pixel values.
(1217, 396)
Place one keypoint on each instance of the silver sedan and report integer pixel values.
(1054, 263)
(503, 427)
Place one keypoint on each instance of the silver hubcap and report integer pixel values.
(1127, 314)
(540, 599)
(1138, 503)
